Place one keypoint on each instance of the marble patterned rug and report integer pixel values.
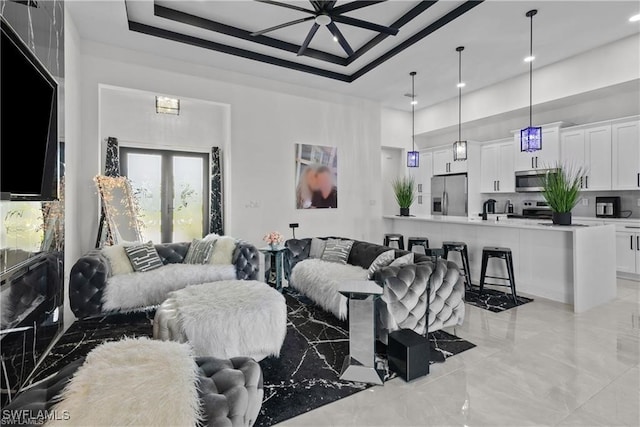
(304, 377)
(493, 300)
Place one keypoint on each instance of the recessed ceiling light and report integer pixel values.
(414, 102)
(530, 58)
(461, 84)
(635, 18)
(335, 39)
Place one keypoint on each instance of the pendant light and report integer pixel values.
(531, 137)
(460, 146)
(413, 157)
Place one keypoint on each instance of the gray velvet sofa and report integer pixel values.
(223, 404)
(89, 275)
(424, 296)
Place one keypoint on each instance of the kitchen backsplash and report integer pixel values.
(628, 202)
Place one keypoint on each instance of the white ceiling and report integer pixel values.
(494, 33)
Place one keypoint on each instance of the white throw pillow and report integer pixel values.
(120, 263)
(382, 260)
(223, 251)
(403, 260)
(212, 236)
(317, 248)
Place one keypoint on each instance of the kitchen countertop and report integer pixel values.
(492, 222)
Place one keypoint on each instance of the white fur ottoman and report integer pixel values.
(225, 319)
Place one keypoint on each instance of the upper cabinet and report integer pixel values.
(543, 159)
(497, 167)
(589, 147)
(625, 164)
(444, 164)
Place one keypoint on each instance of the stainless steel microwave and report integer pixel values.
(528, 181)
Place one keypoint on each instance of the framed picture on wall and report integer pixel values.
(316, 177)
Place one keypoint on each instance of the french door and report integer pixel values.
(172, 188)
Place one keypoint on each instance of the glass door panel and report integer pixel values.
(145, 173)
(188, 198)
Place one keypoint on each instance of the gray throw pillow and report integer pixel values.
(199, 251)
(403, 260)
(382, 260)
(317, 248)
(337, 251)
(143, 257)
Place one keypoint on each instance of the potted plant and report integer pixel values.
(404, 190)
(560, 188)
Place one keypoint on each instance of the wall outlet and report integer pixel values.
(585, 202)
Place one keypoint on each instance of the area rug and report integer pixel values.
(493, 300)
(306, 376)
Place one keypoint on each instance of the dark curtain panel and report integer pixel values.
(112, 163)
(215, 206)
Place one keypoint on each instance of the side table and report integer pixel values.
(273, 266)
(359, 365)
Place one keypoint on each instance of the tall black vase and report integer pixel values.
(404, 211)
(561, 218)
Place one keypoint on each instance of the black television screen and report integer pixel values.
(28, 122)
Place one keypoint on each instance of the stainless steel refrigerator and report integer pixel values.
(449, 195)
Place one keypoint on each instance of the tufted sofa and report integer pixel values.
(90, 273)
(221, 381)
(424, 296)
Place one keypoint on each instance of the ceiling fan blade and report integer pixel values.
(307, 40)
(330, 4)
(316, 5)
(286, 24)
(354, 5)
(287, 5)
(343, 42)
(365, 24)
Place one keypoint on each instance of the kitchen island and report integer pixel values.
(570, 264)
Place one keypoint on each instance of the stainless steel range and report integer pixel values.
(534, 209)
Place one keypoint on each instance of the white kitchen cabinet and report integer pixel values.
(628, 252)
(589, 147)
(422, 176)
(625, 165)
(545, 158)
(496, 167)
(444, 164)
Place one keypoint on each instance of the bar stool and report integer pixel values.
(460, 247)
(501, 253)
(417, 241)
(434, 253)
(398, 239)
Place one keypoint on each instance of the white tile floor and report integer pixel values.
(538, 364)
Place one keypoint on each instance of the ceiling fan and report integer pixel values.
(325, 14)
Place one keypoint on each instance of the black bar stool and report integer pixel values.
(502, 253)
(460, 247)
(434, 253)
(417, 241)
(394, 238)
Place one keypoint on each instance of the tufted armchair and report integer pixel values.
(90, 273)
(424, 296)
(231, 392)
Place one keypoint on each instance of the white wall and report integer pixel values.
(606, 66)
(130, 116)
(391, 168)
(259, 163)
(73, 141)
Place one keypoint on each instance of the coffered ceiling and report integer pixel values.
(373, 64)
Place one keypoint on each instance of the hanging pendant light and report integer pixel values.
(460, 146)
(531, 137)
(413, 157)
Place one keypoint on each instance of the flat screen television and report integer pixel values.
(28, 122)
